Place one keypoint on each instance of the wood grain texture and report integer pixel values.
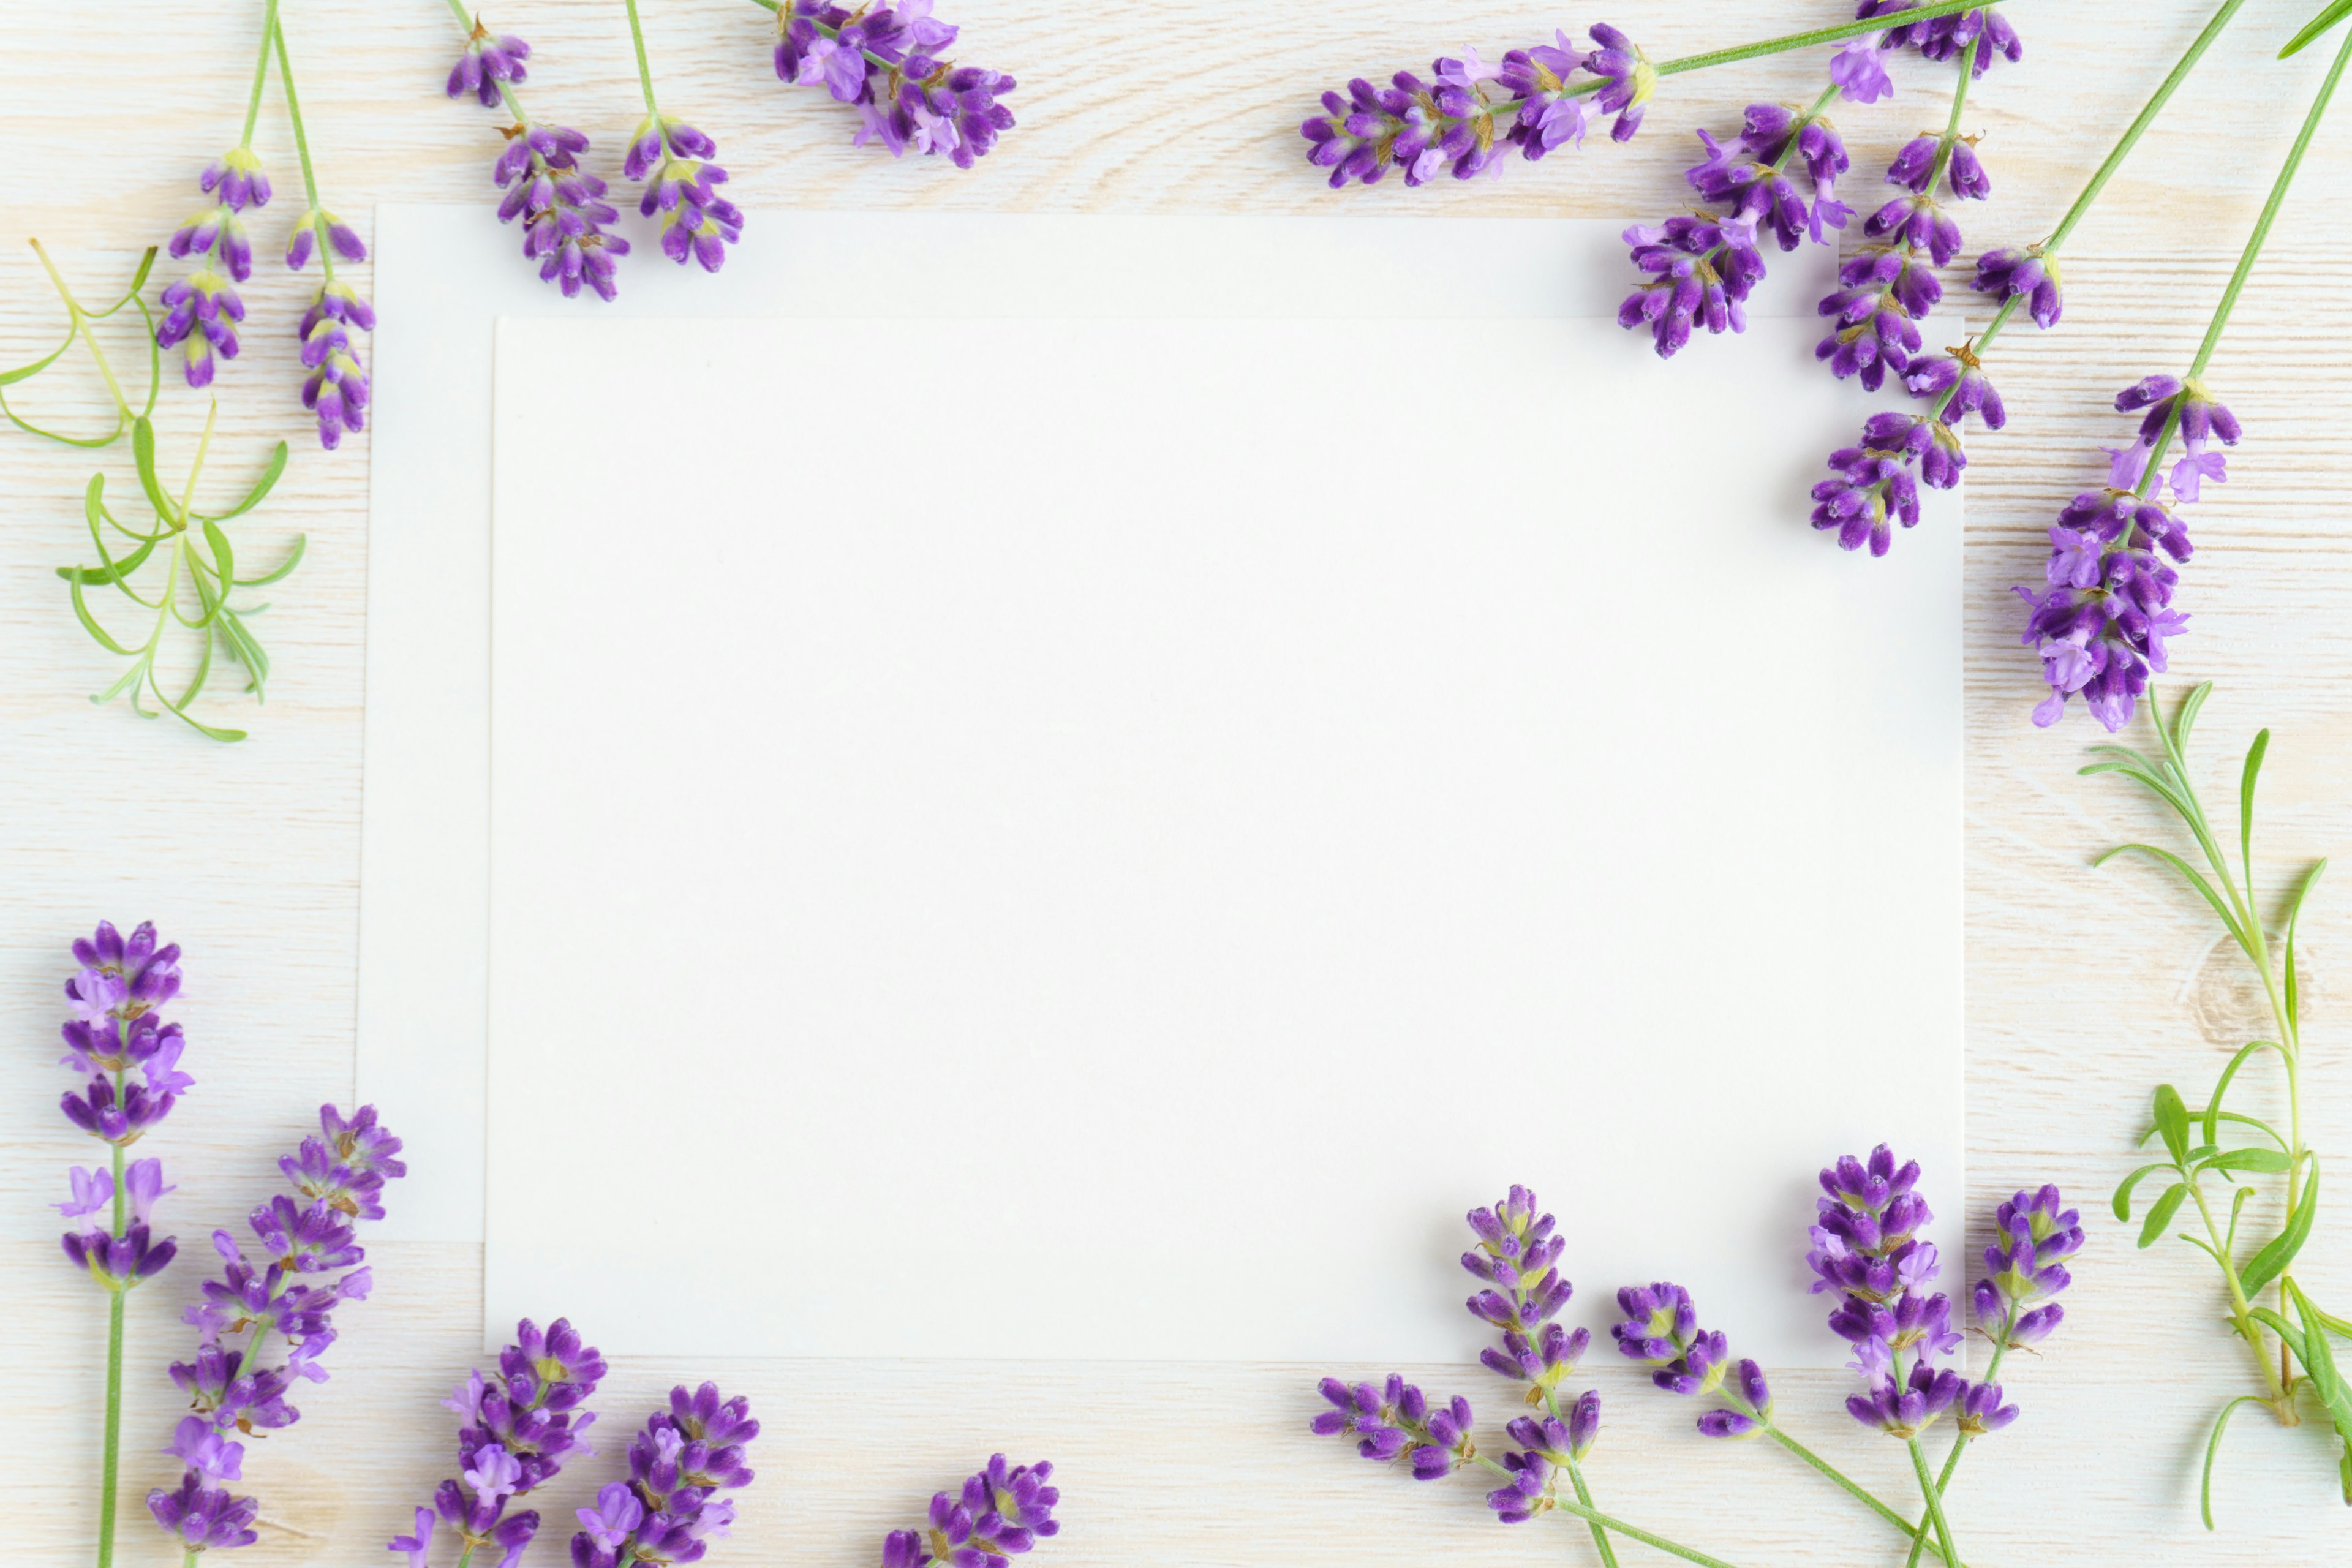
(2085, 988)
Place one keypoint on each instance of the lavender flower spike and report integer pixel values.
(2025, 1268)
(485, 63)
(517, 1428)
(1622, 63)
(888, 64)
(1547, 1448)
(563, 207)
(201, 309)
(309, 1266)
(695, 220)
(1395, 1420)
(1516, 1252)
(1003, 1512)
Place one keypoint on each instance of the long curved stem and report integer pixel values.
(302, 148)
(260, 72)
(1935, 1499)
(645, 70)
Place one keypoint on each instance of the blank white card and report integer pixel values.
(1104, 837)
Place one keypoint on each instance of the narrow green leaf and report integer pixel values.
(301, 542)
(2257, 1123)
(143, 452)
(224, 559)
(2287, 1332)
(2122, 1202)
(2279, 1251)
(2172, 1121)
(2254, 768)
(2183, 720)
(2237, 1207)
(89, 624)
(138, 282)
(2319, 25)
(2196, 880)
(2221, 1422)
(2266, 1161)
(2161, 1214)
(2335, 1325)
(261, 487)
(2319, 1362)
(2295, 914)
(2213, 1107)
(26, 372)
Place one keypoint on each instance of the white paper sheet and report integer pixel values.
(444, 273)
(1102, 837)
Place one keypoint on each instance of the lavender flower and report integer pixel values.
(516, 1427)
(1698, 271)
(1906, 1408)
(1948, 37)
(115, 1031)
(562, 208)
(695, 220)
(2101, 624)
(667, 1512)
(1873, 484)
(1622, 63)
(1859, 71)
(202, 1517)
(200, 310)
(888, 64)
(485, 63)
(1547, 1448)
(1517, 1253)
(1867, 1248)
(338, 1174)
(2031, 272)
(2025, 1268)
(337, 386)
(1003, 1512)
(1395, 1420)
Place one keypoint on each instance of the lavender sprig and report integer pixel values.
(337, 387)
(202, 310)
(1002, 1511)
(667, 1512)
(517, 1428)
(560, 204)
(338, 1178)
(888, 64)
(116, 1030)
(695, 220)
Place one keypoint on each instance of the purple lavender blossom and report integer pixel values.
(1516, 1252)
(1547, 1448)
(888, 64)
(2010, 273)
(1872, 485)
(1867, 1249)
(1948, 37)
(1699, 271)
(510, 1438)
(1003, 1512)
(2025, 1268)
(1907, 1407)
(288, 1294)
(203, 1517)
(1859, 71)
(485, 63)
(1625, 67)
(2103, 622)
(562, 208)
(115, 1031)
(695, 220)
(667, 1512)
(201, 309)
(1660, 1331)
(1396, 1420)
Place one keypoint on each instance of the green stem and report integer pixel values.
(1584, 1496)
(1856, 1489)
(1960, 97)
(261, 73)
(2138, 127)
(1935, 1499)
(110, 1468)
(89, 340)
(1594, 1516)
(1838, 33)
(2270, 214)
(302, 148)
(645, 71)
(1960, 1441)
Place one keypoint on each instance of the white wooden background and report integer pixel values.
(2086, 988)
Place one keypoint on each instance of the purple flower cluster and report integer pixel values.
(1002, 1512)
(485, 64)
(667, 1512)
(1660, 1330)
(338, 1178)
(116, 1030)
(1867, 1251)
(888, 64)
(1516, 1252)
(561, 205)
(1948, 37)
(337, 386)
(2102, 621)
(1546, 1447)
(1449, 124)
(202, 310)
(516, 1429)
(695, 220)
(1396, 1421)
(2026, 1267)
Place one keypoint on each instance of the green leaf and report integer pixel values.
(2213, 1107)
(2161, 1214)
(261, 488)
(2183, 718)
(89, 624)
(143, 452)
(2221, 1422)
(2319, 25)
(2294, 913)
(26, 372)
(2123, 1194)
(224, 559)
(2266, 1161)
(2257, 1123)
(247, 651)
(2237, 1206)
(2253, 770)
(301, 542)
(2172, 1121)
(2335, 1325)
(2134, 766)
(2319, 1362)
(2279, 1251)
(2196, 880)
